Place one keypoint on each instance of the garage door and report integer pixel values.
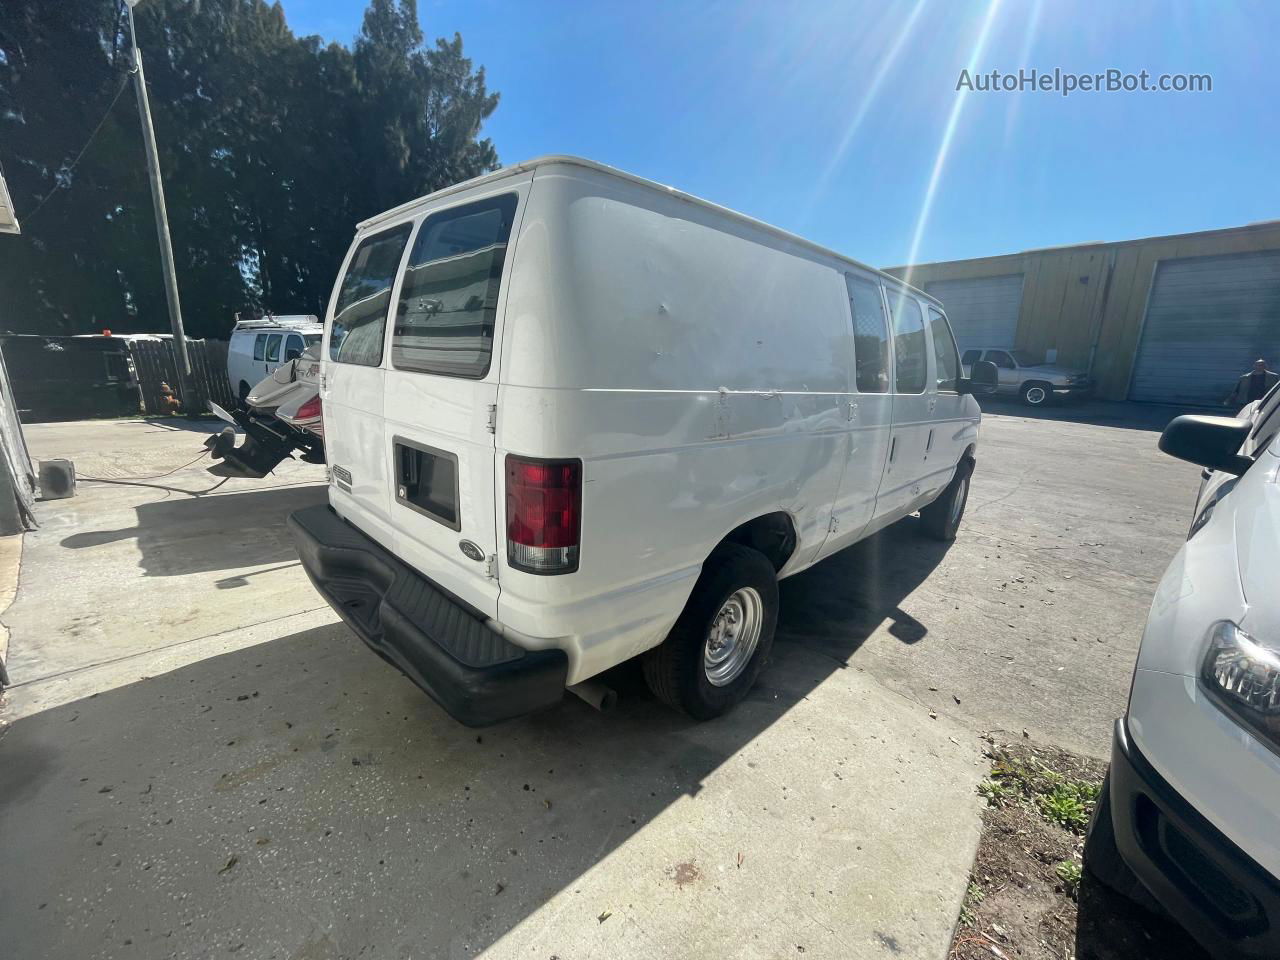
(983, 312)
(1207, 319)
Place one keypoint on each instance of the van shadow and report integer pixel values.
(314, 803)
(229, 531)
(835, 606)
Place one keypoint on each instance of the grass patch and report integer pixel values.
(1068, 872)
(973, 896)
(1058, 798)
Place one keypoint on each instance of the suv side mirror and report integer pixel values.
(1212, 442)
(983, 377)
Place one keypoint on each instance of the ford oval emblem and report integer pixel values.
(471, 550)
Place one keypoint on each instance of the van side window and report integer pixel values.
(971, 356)
(449, 299)
(944, 352)
(260, 346)
(292, 347)
(273, 347)
(910, 350)
(870, 335)
(360, 315)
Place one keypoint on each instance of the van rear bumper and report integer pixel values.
(436, 641)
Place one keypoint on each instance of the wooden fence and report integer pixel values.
(155, 362)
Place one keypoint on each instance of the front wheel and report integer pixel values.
(1035, 394)
(941, 519)
(716, 650)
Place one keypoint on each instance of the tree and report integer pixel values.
(272, 148)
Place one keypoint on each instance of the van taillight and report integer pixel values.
(544, 514)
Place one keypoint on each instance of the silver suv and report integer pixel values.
(1022, 375)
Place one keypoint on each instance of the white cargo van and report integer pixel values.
(258, 347)
(573, 417)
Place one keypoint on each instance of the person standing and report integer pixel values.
(1253, 385)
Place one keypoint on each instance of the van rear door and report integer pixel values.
(352, 381)
(441, 393)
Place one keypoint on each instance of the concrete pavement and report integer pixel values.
(202, 763)
(121, 582)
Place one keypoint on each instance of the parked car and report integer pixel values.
(1189, 814)
(258, 347)
(280, 416)
(1029, 377)
(604, 420)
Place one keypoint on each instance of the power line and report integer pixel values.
(67, 170)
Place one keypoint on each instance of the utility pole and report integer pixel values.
(162, 221)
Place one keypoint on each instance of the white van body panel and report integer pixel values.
(699, 363)
(644, 335)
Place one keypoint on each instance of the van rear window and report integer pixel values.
(449, 298)
(360, 315)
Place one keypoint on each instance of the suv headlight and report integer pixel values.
(1243, 673)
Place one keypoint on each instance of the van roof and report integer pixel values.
(297, 321)
(555, 158)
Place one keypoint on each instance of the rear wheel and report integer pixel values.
(244, 391)
(1035, 394)
(714, 653)
(941, 519)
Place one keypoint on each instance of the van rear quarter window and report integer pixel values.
(449, 299)
(870, 336)
(260, 347)
(360, 315)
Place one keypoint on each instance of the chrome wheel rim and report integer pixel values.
(1035, 395)
(733, 637)
(957, 506)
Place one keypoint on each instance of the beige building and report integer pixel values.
(1164, 320)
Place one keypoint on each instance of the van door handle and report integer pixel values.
(933, 403)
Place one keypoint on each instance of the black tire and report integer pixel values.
(244, 391)
(1035, 394)
(675, 669)
(941, 519)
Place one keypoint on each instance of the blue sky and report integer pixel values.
(831, 119)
